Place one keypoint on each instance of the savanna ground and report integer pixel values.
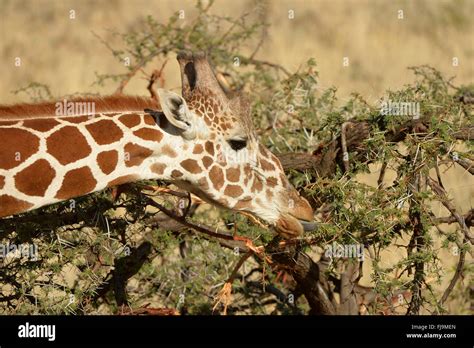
(329, 50)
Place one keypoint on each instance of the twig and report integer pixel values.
(262, 62)
(468, 219)
(202, 229)
(438, 174)
(417, 242)
(156, 75)
(348, 301)
(263, 12)
(224, 295)
(148, 310)
(382, 175)
(457, 275)
(464, 133)
(448, 205)
(466, 165)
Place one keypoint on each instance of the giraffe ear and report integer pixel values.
(176, 111)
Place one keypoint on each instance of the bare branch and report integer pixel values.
(457, 275)
(448, 205)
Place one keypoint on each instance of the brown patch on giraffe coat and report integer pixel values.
(77, 119)
(168, 151)
(8, 123)
(158, 168)
(233, 174)
(137, 154)
(105, 132)
(77, 182)
(272, 181)
(207, 161)
(68, 145)
(233, 191)
(266, 166)
(10, 205)
(150, 120)
(130, 120)
(123, 180)
(17, 145)
(217, 177)
(207, 120)
(243, 204)
(41, 125)
(191, 166)
(269, 194)
(248, 170)
(107, 161)
(2, 181)
(209, 148)
(257, 184)
(176, 174)
(198, 149)
(35, 179)
(149, 134)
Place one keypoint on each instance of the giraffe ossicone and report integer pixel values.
(202, 141)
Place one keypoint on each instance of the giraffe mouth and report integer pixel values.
(290, 226)
(308, 226)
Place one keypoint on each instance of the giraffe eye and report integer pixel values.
(237, 144)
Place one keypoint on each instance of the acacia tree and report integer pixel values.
(157, 247)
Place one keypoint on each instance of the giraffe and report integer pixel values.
(202, 141)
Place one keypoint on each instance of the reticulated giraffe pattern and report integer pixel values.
(202, 141)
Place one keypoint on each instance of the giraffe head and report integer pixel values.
(223, 161)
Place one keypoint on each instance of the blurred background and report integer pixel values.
(380, 39)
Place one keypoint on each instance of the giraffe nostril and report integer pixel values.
(308, 226)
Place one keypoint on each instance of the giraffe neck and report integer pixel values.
(44, 160)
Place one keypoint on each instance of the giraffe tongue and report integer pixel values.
(308, 226)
